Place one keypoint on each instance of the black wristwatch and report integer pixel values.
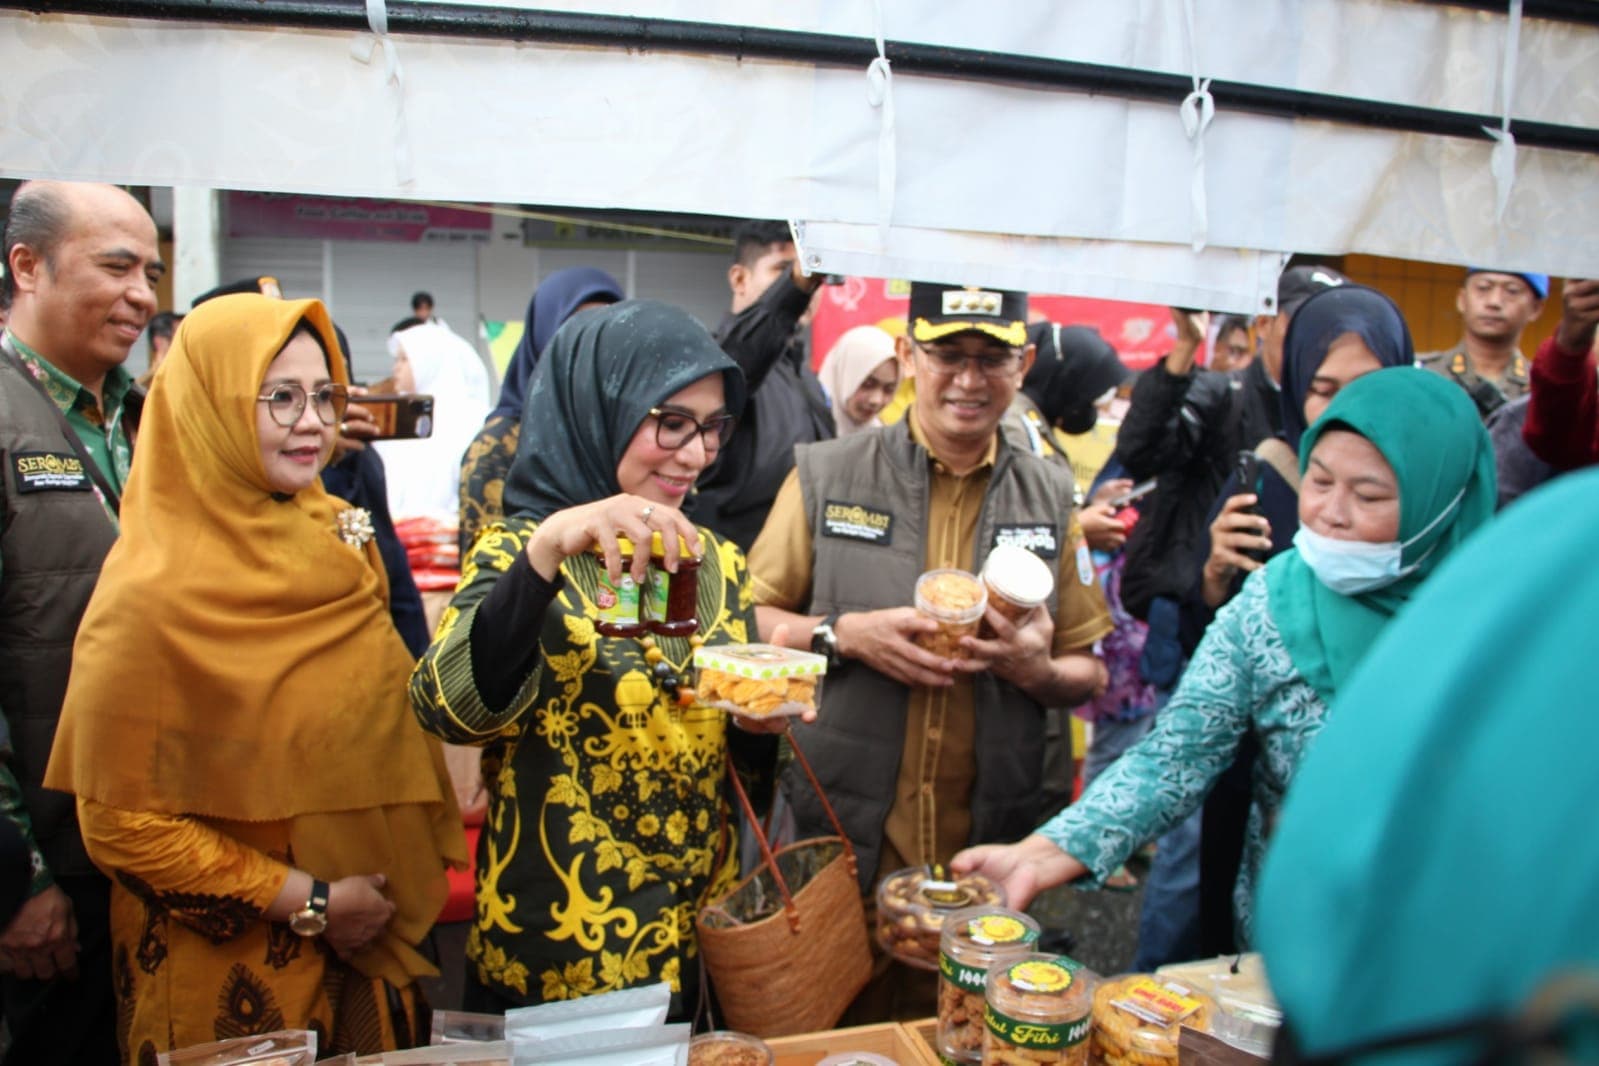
(824, 641)
(312, 919)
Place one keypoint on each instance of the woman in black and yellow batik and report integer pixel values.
(608, 827)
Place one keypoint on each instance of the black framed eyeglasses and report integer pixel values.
(673, 429)
(949, 362)
(286, 403)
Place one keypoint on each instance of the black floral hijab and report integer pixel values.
(592, 389)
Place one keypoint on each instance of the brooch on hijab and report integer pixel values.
(355, 526)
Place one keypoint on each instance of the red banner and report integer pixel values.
(254, 214)
(1140, 333)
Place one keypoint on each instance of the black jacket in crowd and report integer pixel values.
(786, 407)
(1186, 431)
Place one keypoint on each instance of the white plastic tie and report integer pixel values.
(880, 94)
(1197, 109)
(377, 18)
(1502, 163)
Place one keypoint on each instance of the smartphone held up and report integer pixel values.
(406, 416)
(1247, 472)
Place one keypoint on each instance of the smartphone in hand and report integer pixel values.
(1247, 471)
(1132, 495)
(407, 416)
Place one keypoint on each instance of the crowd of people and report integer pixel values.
(226, 801)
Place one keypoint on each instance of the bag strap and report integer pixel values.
(1276, 451)
(765, 844)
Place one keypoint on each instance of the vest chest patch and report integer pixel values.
(1038, 539)
(851, 521)
(49, 471)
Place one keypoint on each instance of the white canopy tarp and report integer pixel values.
(1100, 186)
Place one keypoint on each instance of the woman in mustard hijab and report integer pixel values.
(236, 728)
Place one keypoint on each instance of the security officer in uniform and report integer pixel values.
(897, 745)
(82, 262)
(1494, 308)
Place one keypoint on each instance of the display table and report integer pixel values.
(909, 1044)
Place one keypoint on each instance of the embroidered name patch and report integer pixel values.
(40, 471)
(1040, 540)
(854, 522)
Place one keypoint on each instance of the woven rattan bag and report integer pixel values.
(787, 948)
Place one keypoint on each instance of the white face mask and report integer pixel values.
(1350, 567)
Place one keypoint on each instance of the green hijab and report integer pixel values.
(1459, 875)
(1428, 429)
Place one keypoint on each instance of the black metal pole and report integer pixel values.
(668, 35)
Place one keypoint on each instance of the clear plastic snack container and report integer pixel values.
(955, 599)
(758, 680)
(912, 904)
(1037, 1012)
(727, 1048)
(1017, 581)
(1143, 1015)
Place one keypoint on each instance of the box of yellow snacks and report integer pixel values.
(758, 680)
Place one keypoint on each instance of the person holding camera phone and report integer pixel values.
(424, 474)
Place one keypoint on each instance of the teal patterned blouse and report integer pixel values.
(1240, 678)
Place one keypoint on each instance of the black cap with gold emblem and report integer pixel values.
(941, 310)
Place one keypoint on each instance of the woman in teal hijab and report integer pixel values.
(1434, 868)
(1396, 473)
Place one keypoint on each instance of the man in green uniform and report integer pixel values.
(82, 262)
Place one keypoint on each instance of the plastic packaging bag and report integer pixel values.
(631, 1008)
(463, 1027)
(665, 1045)
(286, 1047)
(487, 1053)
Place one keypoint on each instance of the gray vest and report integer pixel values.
(55, 538)
(866, 500)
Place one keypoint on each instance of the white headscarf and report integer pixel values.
(424, 476)
(851, 361)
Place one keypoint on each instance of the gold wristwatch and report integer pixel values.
(312, 919)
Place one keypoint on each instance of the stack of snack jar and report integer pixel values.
(1037, 1013)
(974, 939)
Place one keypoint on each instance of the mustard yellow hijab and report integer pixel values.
(237, 660)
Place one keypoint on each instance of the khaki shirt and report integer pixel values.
(931, 816)
(1455, 363)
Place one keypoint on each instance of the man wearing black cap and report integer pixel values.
(897, 746)
(1495, 307)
